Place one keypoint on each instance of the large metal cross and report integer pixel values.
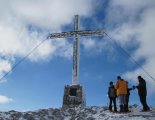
(76, 45)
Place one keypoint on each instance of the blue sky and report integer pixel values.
(38, 82)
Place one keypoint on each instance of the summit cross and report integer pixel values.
(76, 45)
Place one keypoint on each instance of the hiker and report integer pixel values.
(112, 96)
(128, 97)
(121, 87)
(142, 92)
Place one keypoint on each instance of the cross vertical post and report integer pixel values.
(76, 48)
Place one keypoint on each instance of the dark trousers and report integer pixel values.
(112, 100)
(127, 102)
(127, 99)
(143, 102)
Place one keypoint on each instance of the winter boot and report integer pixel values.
(125, 108)
(110, 108)
(115, 109)
(148, 109)
(121, 108)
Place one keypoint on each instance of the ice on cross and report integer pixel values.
(76, 33)
(74, 94)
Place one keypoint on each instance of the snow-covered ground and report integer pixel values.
(87, 113)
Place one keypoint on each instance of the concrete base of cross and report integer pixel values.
(74, 96)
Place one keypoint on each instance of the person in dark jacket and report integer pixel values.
(142, 92)
(127, 97)
(112, 96)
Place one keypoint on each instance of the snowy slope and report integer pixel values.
(88, 113)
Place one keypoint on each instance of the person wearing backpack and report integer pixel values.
(112, 96)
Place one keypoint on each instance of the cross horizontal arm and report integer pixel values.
(73, 33)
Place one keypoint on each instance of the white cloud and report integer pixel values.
(95, 46)
(50, 13)
(22, 21)
(89, 43)
(5, 66)
(5, 99)
(135, 19)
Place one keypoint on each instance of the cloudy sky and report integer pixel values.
(38, 81)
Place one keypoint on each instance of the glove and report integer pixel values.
(134, 87)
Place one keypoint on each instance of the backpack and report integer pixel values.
(112, 92)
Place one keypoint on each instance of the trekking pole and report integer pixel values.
(107, 100)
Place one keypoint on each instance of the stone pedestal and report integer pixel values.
(73, 96)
